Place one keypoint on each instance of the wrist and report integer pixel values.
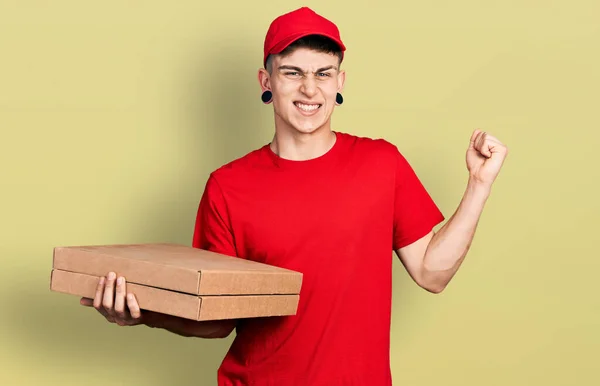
(475, 197)
(478, 188)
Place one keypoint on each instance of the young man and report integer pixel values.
(330, 205)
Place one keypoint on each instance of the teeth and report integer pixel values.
(307, 107)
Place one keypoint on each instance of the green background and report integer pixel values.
(112, 115)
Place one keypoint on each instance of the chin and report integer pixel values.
(308, 128)
(302, 124)
(308, 125)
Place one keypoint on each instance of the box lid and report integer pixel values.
(179, 268)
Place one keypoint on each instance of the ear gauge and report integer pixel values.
(267, 97)
(339, 99)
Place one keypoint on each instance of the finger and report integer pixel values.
(481, 140)
(492, 142)
(486, 149)
(86, 302)
(109, 293)
(474, 137)
(120, 298)
(98, 298)
(490, 147)
(134, 307)
(99, 293)
(492, 138)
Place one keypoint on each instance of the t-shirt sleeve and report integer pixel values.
(212, 230)
(415, 212)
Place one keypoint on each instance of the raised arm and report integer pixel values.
(433, 260)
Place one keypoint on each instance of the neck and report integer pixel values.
(294, 145)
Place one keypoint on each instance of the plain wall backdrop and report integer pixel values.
(112, 115)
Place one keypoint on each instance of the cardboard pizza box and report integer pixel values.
(179, 280)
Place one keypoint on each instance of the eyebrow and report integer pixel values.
(286, 67)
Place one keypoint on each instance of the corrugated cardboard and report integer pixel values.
(180, 280)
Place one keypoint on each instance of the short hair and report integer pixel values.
(317, 43)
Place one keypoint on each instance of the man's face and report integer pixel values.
(304, 86)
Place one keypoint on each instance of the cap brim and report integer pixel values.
(282, 45)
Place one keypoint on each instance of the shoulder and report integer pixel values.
(367, 147)
(241, 168)
(368, 143)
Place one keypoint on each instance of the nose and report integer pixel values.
(309, 87)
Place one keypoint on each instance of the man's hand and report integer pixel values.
(485, 157)
(114, 303)
(122, 308)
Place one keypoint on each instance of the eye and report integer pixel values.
(323, 74)
(292, 73)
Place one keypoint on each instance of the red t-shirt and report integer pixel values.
(336, 218)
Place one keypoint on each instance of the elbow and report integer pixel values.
(435, 281)
(435, 288)
(220, 334)
(221, 330)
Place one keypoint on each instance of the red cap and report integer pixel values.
(289, 27)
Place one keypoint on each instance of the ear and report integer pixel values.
(264, 80)
(341, 78)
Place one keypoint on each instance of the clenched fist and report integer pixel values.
(485, 157)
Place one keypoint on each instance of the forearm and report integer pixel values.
(449, 246)
(190, 328)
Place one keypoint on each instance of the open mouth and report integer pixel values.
(307, 107)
